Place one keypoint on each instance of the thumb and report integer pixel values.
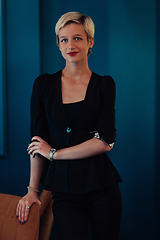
(39, 203)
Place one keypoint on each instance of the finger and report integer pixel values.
(30, 150)
(17, 210)
(31, 145)
(36, 138)
(40, 204)
(27, 209)
(34, 153)
(20, 212)
(34, 146)
(26, 213)
(33, 149)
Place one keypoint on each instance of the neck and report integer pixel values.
(76, 70)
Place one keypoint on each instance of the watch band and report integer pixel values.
(52, 151)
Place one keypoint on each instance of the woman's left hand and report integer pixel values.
(39, 146)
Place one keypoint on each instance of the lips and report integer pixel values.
(72, 53)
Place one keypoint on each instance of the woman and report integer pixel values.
(72, 128)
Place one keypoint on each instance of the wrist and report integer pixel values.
(31, 189)
(51, 154)
(30, 192)
(54, 157)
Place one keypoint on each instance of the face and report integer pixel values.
(73, 43)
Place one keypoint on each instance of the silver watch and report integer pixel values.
(52, 151)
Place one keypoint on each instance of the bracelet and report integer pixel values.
(52, 151)
(33, 189)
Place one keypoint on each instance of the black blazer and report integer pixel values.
(48, 121)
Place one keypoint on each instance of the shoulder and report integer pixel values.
(45, 83)
(45, 79)
(107, 89)
(108, 83)
(104, 81)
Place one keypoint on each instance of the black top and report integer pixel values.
(49, 121)
(72, 111)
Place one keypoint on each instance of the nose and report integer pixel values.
(71, 45)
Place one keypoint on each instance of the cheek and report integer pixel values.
(60, 48)
(62, 51)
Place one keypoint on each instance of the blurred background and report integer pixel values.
(126, 47)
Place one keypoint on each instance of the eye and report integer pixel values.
(63, 40)
(78, 38)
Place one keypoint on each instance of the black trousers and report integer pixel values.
(102, 208)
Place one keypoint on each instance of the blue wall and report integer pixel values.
(22, 67)
(126, 47)
(157, 121)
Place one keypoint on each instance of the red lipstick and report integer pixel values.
(72, 53)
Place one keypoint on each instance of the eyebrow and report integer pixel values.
(75, 35)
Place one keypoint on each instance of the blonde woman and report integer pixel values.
(72, 129)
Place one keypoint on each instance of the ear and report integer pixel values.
(91, 42)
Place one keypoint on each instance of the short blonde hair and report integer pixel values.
(75, 17)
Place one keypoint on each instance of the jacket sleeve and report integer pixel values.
(39, 125)
(106, 120)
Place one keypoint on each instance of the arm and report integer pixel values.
(86, 149)
(37, 164)
(38, 121)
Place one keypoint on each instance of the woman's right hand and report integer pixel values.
(22, 212)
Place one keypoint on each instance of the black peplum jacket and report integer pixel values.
(97, 114)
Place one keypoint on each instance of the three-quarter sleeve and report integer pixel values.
(39, 126)
(106, 120)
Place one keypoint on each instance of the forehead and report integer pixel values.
(72, 29)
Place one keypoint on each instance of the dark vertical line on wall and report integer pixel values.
(5, 83)
(157, 124)
(40, 34)
(3, 100)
